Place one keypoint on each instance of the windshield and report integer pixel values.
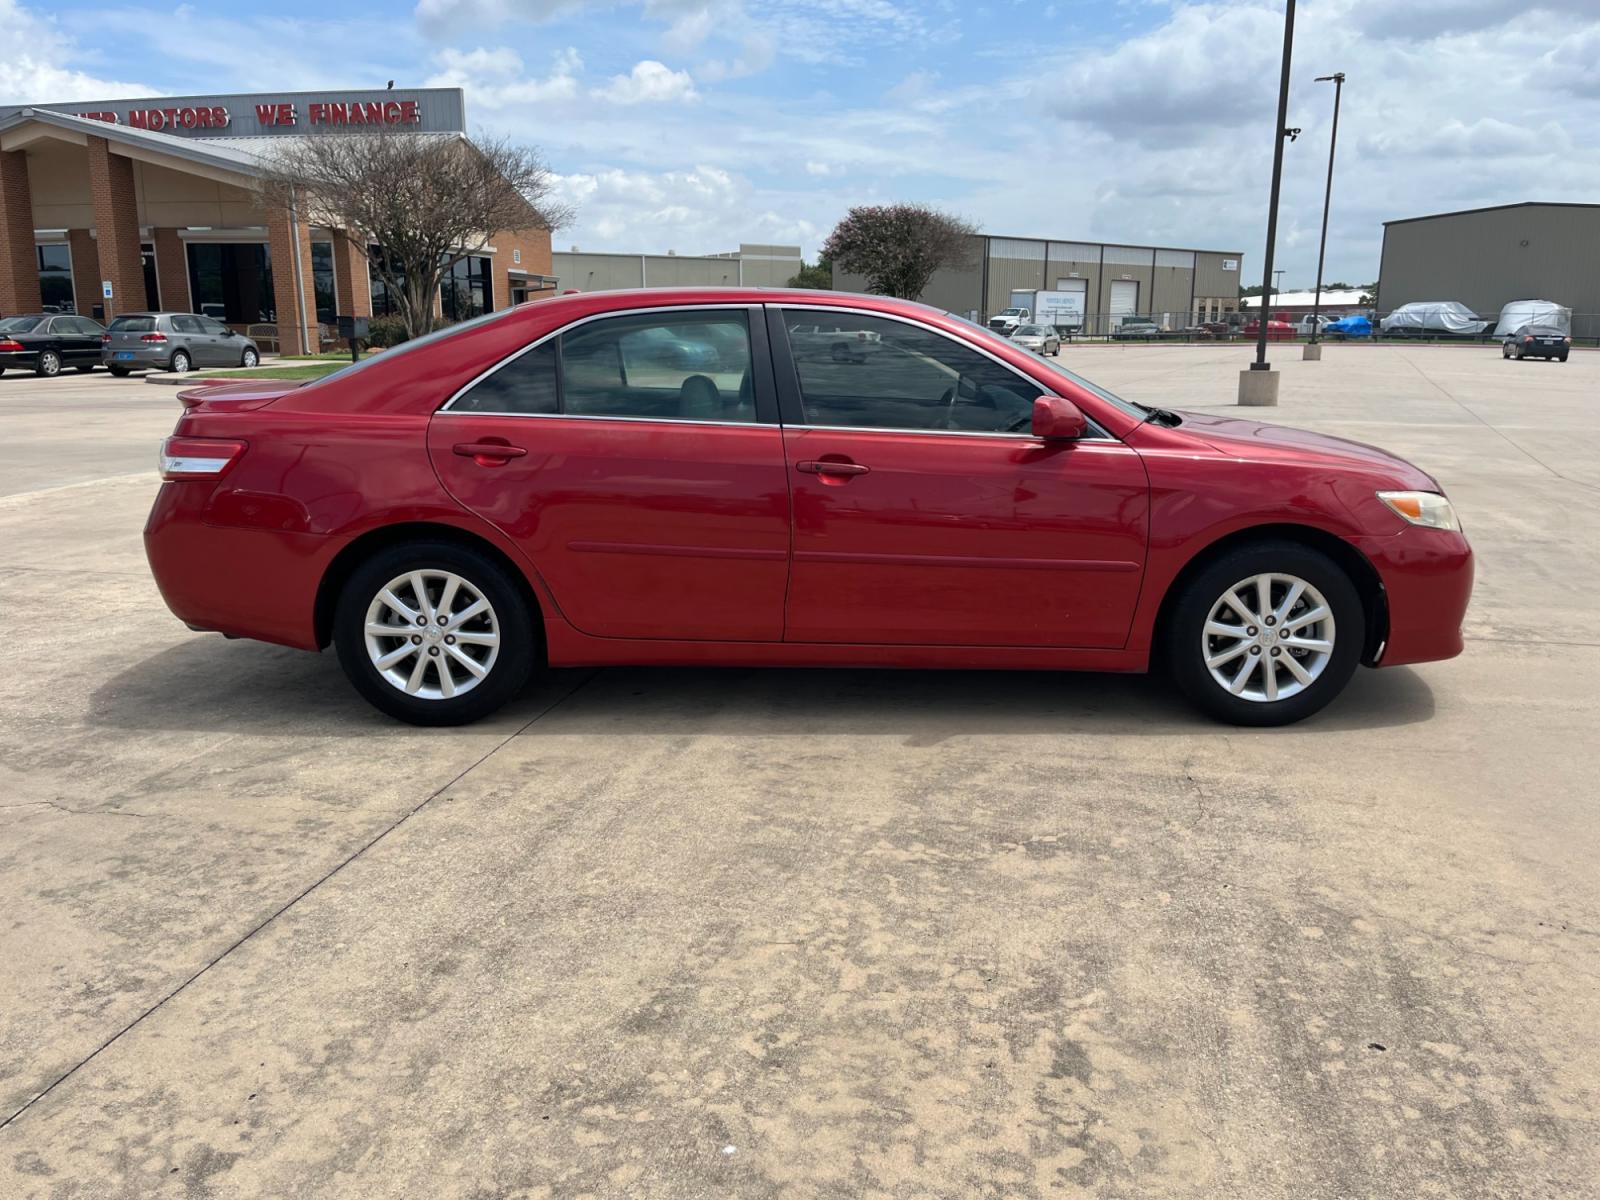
(20, 324)
(426, 339)
(983, 335)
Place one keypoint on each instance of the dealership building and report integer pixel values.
(128, 205)
(1488, 257)
(1102, 283)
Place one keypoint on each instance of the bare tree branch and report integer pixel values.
(427, 201)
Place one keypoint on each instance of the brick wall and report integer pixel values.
(535, 247)
(19, 261)
(172, 270)
(297, 323)
(116, 225)
(86, 275)
(351, 288)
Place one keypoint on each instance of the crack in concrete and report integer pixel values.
(303, 893)
(77, 812)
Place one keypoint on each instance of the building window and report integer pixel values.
(322, 281)
(152, 289)
(385, 302)
(55, 278)
(232, 281)
(465, 291)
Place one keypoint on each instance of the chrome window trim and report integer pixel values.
(1099, 434)
(1027, 437)
(750, 311)
(602, 417)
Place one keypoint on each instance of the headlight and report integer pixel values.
(1422, 508)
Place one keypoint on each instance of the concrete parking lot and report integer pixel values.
(742, 933)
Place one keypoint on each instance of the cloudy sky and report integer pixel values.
(696, 124)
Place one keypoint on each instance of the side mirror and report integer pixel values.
(1058, 420)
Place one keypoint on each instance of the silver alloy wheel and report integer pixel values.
(1268, 637)
(251, 358)
(181, 363)
(432, 634)
(49, 363)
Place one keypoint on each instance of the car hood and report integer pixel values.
(1235, 436)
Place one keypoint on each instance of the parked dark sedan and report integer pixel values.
(1537, 341)
(46, 342)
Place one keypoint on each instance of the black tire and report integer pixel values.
(1561, 358)
(249, 358)
(1185, 641)
(183, 357)
(1519, 355)
(83, 370)
(510, 670)
(119, 372)
(48, 365)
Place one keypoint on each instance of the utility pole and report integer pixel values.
(1314, 350)
(1259, 385)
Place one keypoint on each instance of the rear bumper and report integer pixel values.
(254, 583)
(141, 357)
(1427, 579)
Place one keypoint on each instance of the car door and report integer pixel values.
(83, 340)
(191, 337)
(925, 513)
(637, 461)
(222, 344)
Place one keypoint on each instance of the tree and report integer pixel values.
(898, 247)
(818, 276)
(426, 201)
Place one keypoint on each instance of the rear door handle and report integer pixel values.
(489, 452)
(815, 467)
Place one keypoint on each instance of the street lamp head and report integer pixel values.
(1336, 77)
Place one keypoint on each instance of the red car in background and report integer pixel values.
(683, 477)
(1277, 331)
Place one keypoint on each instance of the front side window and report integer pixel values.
(877, 373)
(213, 328)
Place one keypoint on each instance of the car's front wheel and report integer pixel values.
(119, 372)
(434, 633)
(1267, 634)
(249, 358)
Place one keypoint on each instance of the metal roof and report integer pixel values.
(1462, 212)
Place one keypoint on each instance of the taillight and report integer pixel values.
(1567, 341)
(105, 339)
(198, 457)
(9, 345)
(154, 337)
(1528, 338)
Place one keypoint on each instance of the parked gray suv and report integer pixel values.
(173, 342)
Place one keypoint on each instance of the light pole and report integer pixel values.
(1258, 385)
(1337, 79)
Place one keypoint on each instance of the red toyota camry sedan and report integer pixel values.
(703, 477)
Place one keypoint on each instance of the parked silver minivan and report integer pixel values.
(173, 342)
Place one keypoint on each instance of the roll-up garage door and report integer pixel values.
(1124, 297)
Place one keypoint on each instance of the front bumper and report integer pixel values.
(1427, 579)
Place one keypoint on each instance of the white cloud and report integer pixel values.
(32, 69)
(820, 170)
(495, 78)
(649, 82)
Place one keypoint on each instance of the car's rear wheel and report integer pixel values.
(84, 370)
(434, 633)
(119, 372)
(249, 358)
(181, 362)
(49, 363)
(1267, 634)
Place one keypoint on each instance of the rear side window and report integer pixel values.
(683, 366)
(133, 324)
(526, 384)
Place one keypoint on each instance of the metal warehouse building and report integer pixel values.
(1487, 257)
(748, 266)
(1173, 287)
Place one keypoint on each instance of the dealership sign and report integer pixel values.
(423, 110)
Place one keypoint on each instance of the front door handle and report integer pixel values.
(489, 454)
(825, 467)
